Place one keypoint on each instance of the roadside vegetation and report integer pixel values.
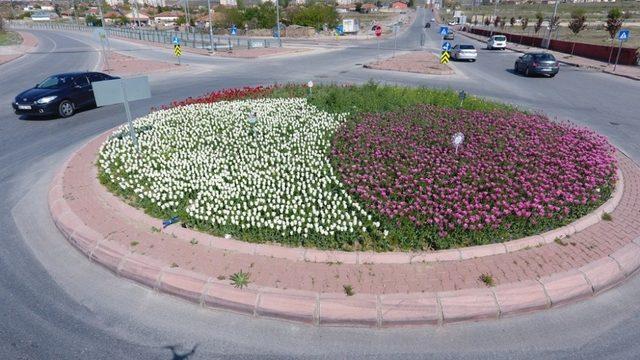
(8, 37)
(592, 19)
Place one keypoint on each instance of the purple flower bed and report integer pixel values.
(514, 175)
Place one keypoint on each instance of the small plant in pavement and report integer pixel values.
(348, 289)
(240, 279)
(606, 216)
(487, 279)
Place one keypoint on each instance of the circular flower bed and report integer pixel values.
(303, 176)
(514, 175)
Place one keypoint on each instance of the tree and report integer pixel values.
(577, 23)
(524, 23)
(512, 21)
(538, 25)
(487, 21)
(358, 7)
(496, 21)
(92, 20)
(475, 21)
(613, 25)
(1, 24)
(503, 23)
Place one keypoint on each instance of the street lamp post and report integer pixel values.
(548, 37)
(495, 11)
(278, 22)
(106, 34)
(210, 27)
(137, 18)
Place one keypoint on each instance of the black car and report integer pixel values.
(538, 64)
(60, 94)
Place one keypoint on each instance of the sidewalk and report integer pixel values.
(628, 71)
(12, 52)
(308, 285)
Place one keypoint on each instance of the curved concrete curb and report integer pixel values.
(337, 309)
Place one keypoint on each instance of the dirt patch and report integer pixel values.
(120, 64)
(257, 53)
(414, 62)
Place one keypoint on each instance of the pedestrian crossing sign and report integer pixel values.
(623, 35)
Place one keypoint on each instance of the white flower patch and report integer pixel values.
(207, 160)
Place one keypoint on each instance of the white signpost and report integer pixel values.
(101, 34)
(456, 140)
(123, 91)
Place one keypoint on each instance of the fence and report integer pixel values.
(628, 56)
(196, 40)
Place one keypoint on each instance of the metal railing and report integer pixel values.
(196, 40)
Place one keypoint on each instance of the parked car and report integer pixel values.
(537, 63)
(497, 42)
(449, 36)
(452, 23)
(60, 94)
(464, 52)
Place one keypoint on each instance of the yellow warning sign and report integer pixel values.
(176, 50)
(444, 57)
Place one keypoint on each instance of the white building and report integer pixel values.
(228, 3)
(344, 2)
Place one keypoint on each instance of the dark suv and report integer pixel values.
(537, 63)
(60, 94)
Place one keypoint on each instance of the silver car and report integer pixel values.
(464, 52)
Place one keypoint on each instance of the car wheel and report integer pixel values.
(526, 72)
(552, 75)
(66, 108)
(515, 68)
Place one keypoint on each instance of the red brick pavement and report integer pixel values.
(121, 239)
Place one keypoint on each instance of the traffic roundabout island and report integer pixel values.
(354, 205)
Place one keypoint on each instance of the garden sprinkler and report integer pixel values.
(252, 122)
(456, 140)
(310, 86)
(462, 95)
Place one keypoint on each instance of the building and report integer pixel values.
(167, 18)
(135, 17)
(345, 2)
(399, 5)
(368, 8)
(229, 3)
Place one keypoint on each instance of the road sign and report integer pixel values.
(444, 57)
(177, 51)
(122, 91)
(446, 46)
(234, 30)
(378, 30)
(623, 35)
(444, 30)
(176, 40)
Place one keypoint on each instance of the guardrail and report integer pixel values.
(196, 40)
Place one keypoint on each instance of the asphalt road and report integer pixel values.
(57, 305)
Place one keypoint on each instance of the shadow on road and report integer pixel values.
(180, 356)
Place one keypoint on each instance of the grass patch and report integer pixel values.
(134, 243)
(560, 242)
(607, 217)
(10, 38)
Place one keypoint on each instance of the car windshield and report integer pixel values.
(467, 47)
(55, 82)
(499, 38)
(544, 57)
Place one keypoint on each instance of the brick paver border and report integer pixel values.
(337, 309)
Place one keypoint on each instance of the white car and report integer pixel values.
(497, 42)
(464, 52)
(451, 23)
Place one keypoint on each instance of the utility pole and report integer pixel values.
(495, 11)
(137, 17)
(106, 33)
(548, 37)
(278, 22)
(210, 27)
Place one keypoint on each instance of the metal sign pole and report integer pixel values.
(210, 27)
(618, 56)
(132, 133)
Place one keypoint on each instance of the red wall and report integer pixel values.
(628, 56)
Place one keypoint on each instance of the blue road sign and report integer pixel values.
(623, 35)
(444, 30)
(234, 30)
(446, 46)
(176, 40)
